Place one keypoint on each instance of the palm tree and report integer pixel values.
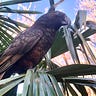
(45, 80)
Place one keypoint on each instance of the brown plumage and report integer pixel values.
(30, 46)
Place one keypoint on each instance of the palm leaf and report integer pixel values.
(8, 84)
(82, 81)
(73, 70)
(70, 89)
(9, 10)
(11, 2)
(38, 81)
(16, 23)
(60, 46)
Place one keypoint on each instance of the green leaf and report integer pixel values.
(11, 2)
(26, 83)
(3, 30)
(56, 86)
(40, 84)
(21, 24)
(70, 44)
(60, 46)
(73, 70)
(49, 90)
(8, 80)
(10, 25)
(8, 84)
(4, 36)
(8, 10)
(80, 19)
(82, 81)
(15, 23)
(81, 89)
(72, 91)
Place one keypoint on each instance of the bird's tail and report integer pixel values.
(6, 62)
(1, 75)
(3, 61)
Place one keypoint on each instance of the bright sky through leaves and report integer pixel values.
(68, 7)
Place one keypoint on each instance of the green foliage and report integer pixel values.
(40, 83)
(58, 81)
(8, 10)
(9, 83)
(11, 2)
(9, 26)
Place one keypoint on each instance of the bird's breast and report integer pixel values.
(35, 55)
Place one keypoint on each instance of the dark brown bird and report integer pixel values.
(30, 46)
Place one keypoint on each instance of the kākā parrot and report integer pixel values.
(30, 46)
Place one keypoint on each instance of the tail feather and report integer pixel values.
(4, 59)
(1, 75)
(7, 62)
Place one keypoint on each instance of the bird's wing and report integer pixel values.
(20, 45)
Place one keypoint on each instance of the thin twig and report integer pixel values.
(56, 4)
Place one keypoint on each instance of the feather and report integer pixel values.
(30, 46)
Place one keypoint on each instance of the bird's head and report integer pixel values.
(58, 19)
(54, 20)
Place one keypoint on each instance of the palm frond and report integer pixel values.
(11, 2)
